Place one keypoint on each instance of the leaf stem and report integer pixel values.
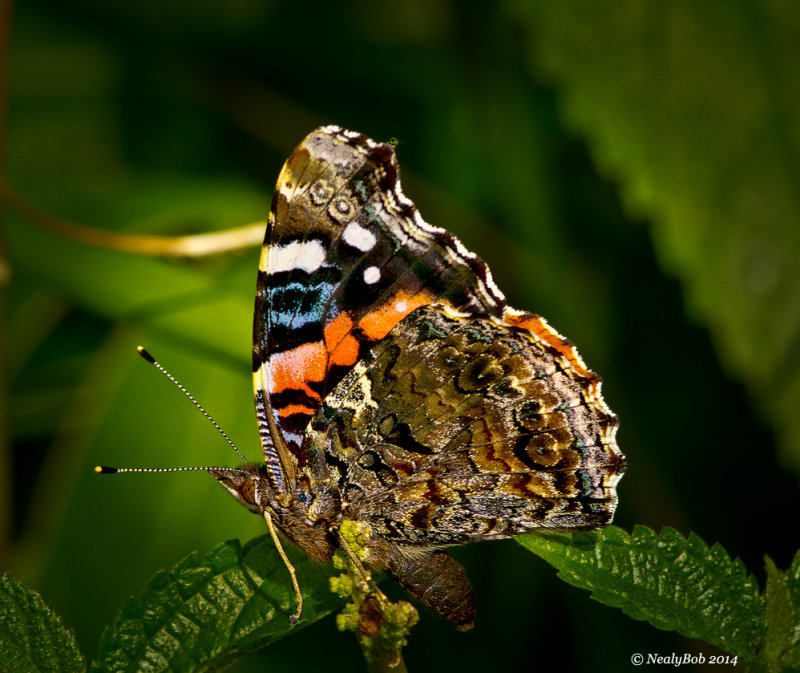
(196, 245)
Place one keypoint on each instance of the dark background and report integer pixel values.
(627, 170)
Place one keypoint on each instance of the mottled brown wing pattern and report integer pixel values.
(454, 429)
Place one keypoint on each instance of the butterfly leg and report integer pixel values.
(274, 535)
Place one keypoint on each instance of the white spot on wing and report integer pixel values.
(358, 237)
(372, 274)
(305, 255)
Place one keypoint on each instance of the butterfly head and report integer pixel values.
(249, 485)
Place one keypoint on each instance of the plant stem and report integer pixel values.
(197, 245)
(383, 665)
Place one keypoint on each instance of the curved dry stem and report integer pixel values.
(196, 245)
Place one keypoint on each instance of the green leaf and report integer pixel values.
(791, 654)
(692, 107)
(207, 611)
(674, 583)
(780, 617)
(32, 636)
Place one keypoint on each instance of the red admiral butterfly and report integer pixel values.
(395, 388)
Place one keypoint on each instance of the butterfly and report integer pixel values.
(394, 386)
(396, 389)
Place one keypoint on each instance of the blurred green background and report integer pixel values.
(631, 170)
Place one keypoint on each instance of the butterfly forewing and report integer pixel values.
(346, 257)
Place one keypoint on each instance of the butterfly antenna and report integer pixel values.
(104, 469)
(160, 368)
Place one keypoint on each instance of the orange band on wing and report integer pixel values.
(542, 329)
(378, 323)
(292, 370)
(309, 363)
(291, 409)
(341, 344)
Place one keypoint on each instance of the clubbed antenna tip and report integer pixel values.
(146, 355)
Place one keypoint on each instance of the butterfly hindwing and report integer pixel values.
(455, 429)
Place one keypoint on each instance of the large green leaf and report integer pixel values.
(782, 643)
(32, 637)
(674, 583)
(207, 611)
(692, 107)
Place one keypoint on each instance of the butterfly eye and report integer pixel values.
(248, 491)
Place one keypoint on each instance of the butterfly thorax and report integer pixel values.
(306, 515)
